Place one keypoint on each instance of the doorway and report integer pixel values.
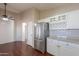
(28, 33)
(24, 32)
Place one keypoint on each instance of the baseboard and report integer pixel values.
(7, 42)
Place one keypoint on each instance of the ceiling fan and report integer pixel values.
(5, 17)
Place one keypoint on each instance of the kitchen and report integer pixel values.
(57, 22)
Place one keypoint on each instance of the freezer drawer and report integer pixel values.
(40, 45)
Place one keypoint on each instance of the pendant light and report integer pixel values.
(5, 17)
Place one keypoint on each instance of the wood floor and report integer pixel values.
(19, 49)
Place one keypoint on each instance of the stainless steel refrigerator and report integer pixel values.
(40, 36)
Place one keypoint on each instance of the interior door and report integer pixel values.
(30, 40)
(23, 31)
(26, 33)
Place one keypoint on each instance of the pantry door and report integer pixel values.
(30, 40)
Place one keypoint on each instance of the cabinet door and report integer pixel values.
(58, 22)
(68, 49)
(73, 49)
(64, 51)
(73, 20)
(52, 46)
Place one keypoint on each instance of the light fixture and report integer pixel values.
(5, 17)
(35, 24)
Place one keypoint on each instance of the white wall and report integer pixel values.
(7, 30)
(18, 29)
(25, 16)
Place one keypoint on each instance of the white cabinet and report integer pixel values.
(73, 20)
(69, 49)
(58, 22)
(52, 46)
(65, 49)
(73, 49)
(69, 20)
(61, 48)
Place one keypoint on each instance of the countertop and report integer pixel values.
(66, 39)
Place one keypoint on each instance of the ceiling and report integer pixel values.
(19, 7)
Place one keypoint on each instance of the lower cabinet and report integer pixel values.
(69, 49)
(61, 48)
(51, 47)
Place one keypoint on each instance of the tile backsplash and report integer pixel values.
(64, 32)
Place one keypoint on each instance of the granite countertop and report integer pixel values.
(66, 39)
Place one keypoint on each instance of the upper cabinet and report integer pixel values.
(58, 22)
(68, 20)
(73, 20)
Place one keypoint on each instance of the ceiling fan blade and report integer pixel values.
(11, 18)
(5, 17)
